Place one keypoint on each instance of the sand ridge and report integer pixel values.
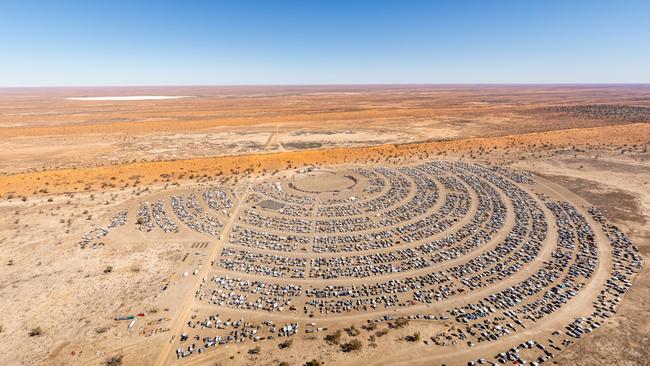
(71, 180)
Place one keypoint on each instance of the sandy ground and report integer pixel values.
(205, 169)
(75, 171)
(130, 98)
(42, 130)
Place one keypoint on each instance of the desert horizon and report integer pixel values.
(287, 183)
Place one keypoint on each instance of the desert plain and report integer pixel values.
(311, 224)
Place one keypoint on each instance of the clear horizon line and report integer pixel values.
(324, 84)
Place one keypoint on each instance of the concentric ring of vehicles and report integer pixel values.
(501, 266)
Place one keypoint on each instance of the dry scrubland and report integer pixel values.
(69, 166)
(42, 130)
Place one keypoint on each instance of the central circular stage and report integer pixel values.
(323, 181)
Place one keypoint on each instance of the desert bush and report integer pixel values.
(313, 362)
(352, 331)
(413, 337)
(400, 323)
(113, 361)
(381, 333)
(370, 326)
(254, 351)
(35, 332)
(108, 269)
(286, 344)
(353, 345)
(333, 338)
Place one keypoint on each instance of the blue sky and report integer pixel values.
(51, 43)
